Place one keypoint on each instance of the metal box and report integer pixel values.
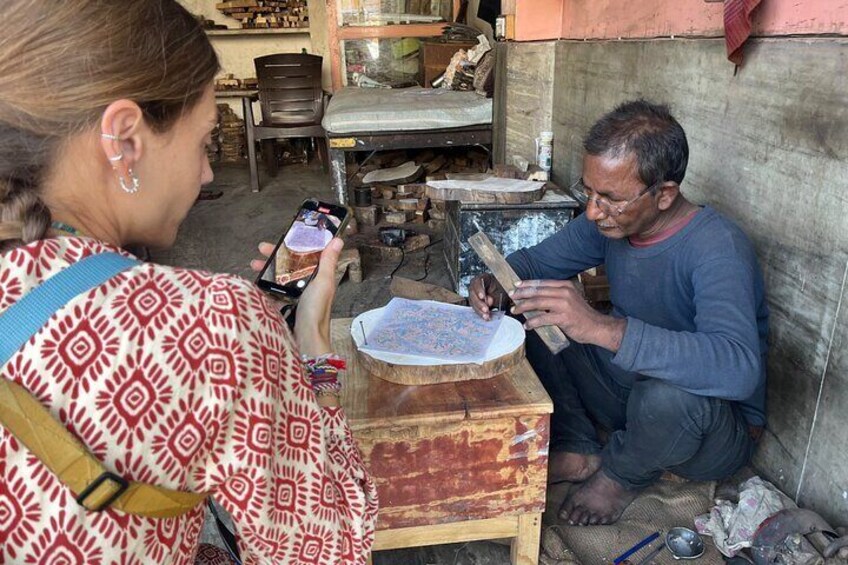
(510, 227)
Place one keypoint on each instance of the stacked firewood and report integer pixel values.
(230, 82)
(231, 136)
(213, 150)
(400, 198)
(267, 13)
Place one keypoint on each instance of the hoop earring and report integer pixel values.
(116, 158)
(133, 185)
(110, 136)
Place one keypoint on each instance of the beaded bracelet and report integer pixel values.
(323, 374)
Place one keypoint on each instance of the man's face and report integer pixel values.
(616, 180)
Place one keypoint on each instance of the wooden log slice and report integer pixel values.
(509, 338)
(437, 374)
(468, 193)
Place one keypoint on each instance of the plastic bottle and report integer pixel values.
(544, 150)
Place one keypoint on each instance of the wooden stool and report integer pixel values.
(453, 462)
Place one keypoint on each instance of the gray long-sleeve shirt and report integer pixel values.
(694, 303)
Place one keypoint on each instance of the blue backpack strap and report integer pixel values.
(25, 317)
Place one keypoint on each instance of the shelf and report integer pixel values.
(234, 93)
(260, 31)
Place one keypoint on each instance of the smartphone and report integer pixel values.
(295, 258)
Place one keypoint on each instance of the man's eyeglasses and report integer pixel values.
(584, 194)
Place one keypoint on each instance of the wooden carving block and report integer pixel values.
(408, 204)
(416, 242)
(411, 190)
(397, 217)
(553, 337)
(435, 164)
(366, 215)
(436, 225)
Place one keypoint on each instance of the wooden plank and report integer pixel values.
(258, 31)
(333, 44)
(553, 337)
(524, 548)
(402, 30)
(471, 530)
(416, 290)
(457, 137)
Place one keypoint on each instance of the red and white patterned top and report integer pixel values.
(188, 380)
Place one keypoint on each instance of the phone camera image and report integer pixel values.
(297, 255)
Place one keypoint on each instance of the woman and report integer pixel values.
(183, 379)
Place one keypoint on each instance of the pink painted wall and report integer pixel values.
(610, 19)
(538, 19)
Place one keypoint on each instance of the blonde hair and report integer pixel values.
(62, 63)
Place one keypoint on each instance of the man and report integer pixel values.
(676, 373)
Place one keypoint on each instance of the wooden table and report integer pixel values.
(453, 462)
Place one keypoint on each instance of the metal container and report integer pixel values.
(684, 543)
(510, 227)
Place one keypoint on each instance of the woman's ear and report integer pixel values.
(121, 135)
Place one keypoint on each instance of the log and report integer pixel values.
(486, 191)
(374, 250)
(416, 290)
(406, 374)
(553, 337)
(436, 164)
(405, 173)
(408, 204)
(366, 215)
(399, 217)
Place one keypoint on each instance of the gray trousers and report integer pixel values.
(654, 426)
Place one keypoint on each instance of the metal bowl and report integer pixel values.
(684, 543)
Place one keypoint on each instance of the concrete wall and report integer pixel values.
(769, 149)
(529, 95)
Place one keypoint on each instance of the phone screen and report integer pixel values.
(295, 258)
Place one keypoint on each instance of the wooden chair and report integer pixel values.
(293, 104)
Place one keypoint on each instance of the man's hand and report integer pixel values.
(484, 293)
(561, 304)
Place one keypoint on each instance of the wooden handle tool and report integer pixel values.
(553, 337)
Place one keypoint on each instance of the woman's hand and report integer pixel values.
(312, 323)
(266, 249)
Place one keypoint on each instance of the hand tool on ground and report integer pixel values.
(653, 555)
(620, 559)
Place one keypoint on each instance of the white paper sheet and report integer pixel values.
(425, 332)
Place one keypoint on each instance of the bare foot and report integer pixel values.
(600, 500)
(572, 467)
